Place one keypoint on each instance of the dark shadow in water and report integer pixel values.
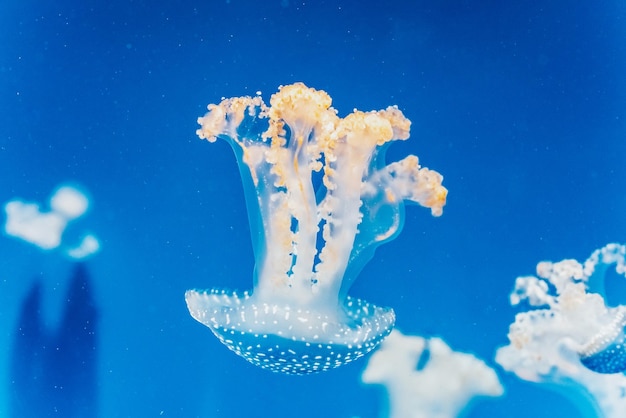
(54, 374)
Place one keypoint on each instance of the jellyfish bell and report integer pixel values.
(292, 341)
(605, 352)
(311, 238)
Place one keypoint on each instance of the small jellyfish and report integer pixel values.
(320, 199)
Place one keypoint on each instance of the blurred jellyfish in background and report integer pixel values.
(320, 199)
(571, 336)
(425, 378)
(45, 229)
(54, 373)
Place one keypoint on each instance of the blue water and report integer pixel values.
(520, 107)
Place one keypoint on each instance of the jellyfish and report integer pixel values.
(572, 335)
(424, 377)
(45, 229)
(320, 199)
(605, 352)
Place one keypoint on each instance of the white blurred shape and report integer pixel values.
(26, 221)
(69, 202)
(89, 245)
(442, 388)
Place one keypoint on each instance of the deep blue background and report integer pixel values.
(522, 107)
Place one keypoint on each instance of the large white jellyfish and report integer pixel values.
(571, 336)
(320, 199)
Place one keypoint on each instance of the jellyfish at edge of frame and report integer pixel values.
(605, 352)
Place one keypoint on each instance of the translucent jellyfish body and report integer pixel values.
(571, 336)
(320, 199)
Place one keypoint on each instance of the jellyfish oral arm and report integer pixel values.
(304, 136)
